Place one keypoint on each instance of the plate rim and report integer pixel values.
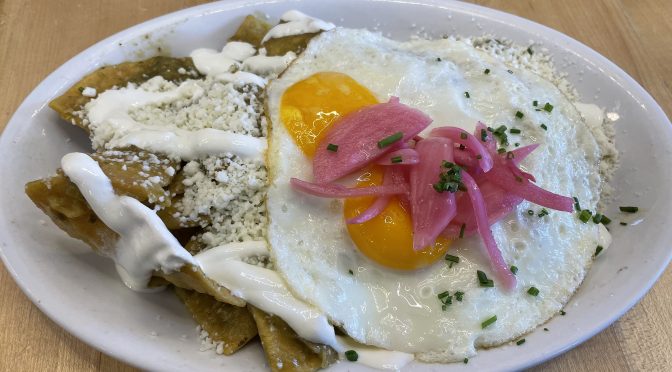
(541, 32)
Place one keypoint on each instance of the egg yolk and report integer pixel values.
(388, 237)
(307, 109)
(314, 104)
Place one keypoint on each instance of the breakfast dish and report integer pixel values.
(200, 179)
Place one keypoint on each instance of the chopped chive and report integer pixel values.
(530, 212)
(543, 126)
(514, 269)
(487, 71)
(501, 150)
(350, 272)
(519, 114)
(520, 342)
(548, 107)
(464, 225)
(629, 209)
(544, 212)
(331, 147)
(459, 295)
(577, 206)
(390, 140)
(516, 144)
(624, 224)
(546, 329)
(514, 131)
(351, 355)
(484, 135)
(443, 295)
(396, 159)
(489, 321)
(585, 215)
(451, 258)
(529, 50)
(509, 71)
(533, 291)
(598, 250)
(438, 59)
(483, 279)
(465, 360)
(605, 220)
(462, 147)
(535, 103)
(466, 94)
(463, 135)
(510, 155)
(562, 312)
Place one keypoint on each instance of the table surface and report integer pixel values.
(38, 36)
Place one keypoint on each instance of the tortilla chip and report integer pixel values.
(233, 326)
(139, 174)
(251, 31)
(285, 351)
(295, 43)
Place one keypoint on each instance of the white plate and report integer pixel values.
(81, 291)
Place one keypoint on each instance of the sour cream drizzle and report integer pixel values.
(144, 244)
(297, 23)
(113, 127)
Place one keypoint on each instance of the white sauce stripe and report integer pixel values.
(241, 78)
(212, 62)
(191, 145)
(297, 23)
(265, 65)
(144, 244)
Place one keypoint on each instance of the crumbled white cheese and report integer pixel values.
(89, 92)
(222, 106)
(228, 191)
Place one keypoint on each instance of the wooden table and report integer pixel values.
(38, 36)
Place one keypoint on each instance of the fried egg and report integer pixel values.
(367, 278)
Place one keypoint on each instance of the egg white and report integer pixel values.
(399, 310)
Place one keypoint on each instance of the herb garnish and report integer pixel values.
(598, 250)
(489, 321)
(331, 147)
(390, 140)
(451, 179)
(483, 279)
